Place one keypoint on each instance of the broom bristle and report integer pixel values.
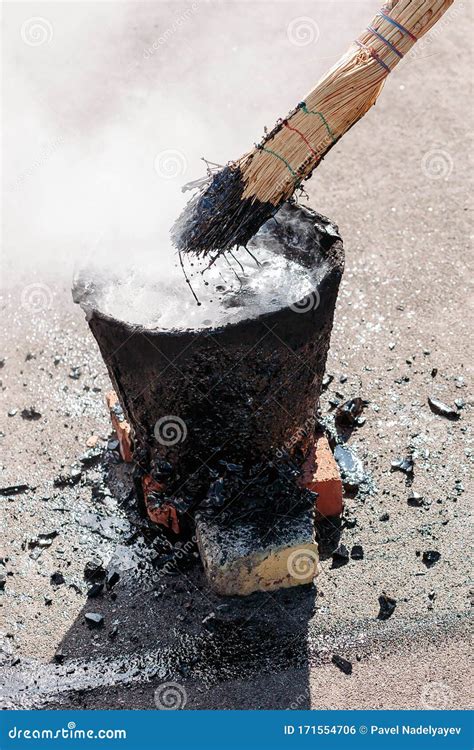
(245, 194)
(220, 218)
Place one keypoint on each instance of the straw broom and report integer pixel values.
(239, 198)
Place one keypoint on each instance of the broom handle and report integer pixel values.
(339, 100)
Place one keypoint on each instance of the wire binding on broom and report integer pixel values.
(246, 193)
(373, 54)
(385, 41)
(302, 135)
(398, 25)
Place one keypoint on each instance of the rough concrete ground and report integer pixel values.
(402, 333)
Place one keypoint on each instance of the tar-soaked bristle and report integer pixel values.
(242, 196)
(220, 218)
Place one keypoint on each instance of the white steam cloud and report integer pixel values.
(105, 120)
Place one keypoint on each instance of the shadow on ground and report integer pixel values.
(152, 634)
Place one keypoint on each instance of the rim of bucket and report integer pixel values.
(332, 258)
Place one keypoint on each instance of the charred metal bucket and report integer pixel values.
(238, 393)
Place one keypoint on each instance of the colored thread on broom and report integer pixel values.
(398, 26)
(302, 136)
(315, 112)
(385, 41)
(373, 54)
(282, 158)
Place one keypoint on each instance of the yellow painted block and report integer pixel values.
(246, 558)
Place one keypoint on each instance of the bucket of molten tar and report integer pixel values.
(219, 364)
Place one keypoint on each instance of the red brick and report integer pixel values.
(321, 474)
(162, 513)
(121, 427)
